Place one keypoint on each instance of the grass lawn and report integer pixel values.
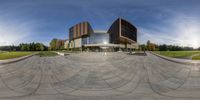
(1, 51)
(177, 54)
(10, 55)
(196, 57)
(46, 54)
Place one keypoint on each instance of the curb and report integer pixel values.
(62, 54)
(181, 61)
(3, 62)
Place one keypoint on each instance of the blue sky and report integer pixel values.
(161, 21)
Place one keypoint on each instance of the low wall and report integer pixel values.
(182, 61)
(15, 59)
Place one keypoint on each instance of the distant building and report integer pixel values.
(57, 44)
(122, 35)
(151, 46)
(60, 43)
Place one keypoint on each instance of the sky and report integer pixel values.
(175, 22)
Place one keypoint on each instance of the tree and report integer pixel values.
(143, 47)
(42, 47)
(151, 46)
(53, 44)
(32, 47)
(57, 44)
(25, 47)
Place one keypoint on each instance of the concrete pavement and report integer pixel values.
(96, 76)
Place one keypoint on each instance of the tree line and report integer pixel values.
(164, 47)
(55, 44)
(25, 47)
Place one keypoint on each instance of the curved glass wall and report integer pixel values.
(96, 38)
(99, 38)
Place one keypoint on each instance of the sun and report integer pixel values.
(189, 36)
(195, 43)
(193, 36)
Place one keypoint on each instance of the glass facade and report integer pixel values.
(96, 38)
(71, 31)
(85, 40)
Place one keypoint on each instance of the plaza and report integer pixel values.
(99, 76)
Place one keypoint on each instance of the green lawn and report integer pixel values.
(179, 54)
(1, 51)
(10, 55)
(196, 57)
(46, 54)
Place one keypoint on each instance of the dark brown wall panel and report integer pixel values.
(128, 30)
(114, 32)
(80, 30)
(121, 31)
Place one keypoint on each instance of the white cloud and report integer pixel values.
(155, 37)
(187, 30)
(182, 30)
(10, 32)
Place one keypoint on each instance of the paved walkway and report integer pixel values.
(96, 76)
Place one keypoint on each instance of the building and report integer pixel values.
(122, 35)
(57, 44)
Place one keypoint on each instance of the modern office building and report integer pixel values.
(122, 35)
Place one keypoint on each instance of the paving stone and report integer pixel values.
(96, 76)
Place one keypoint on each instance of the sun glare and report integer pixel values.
(189, 35)
(193, 33)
